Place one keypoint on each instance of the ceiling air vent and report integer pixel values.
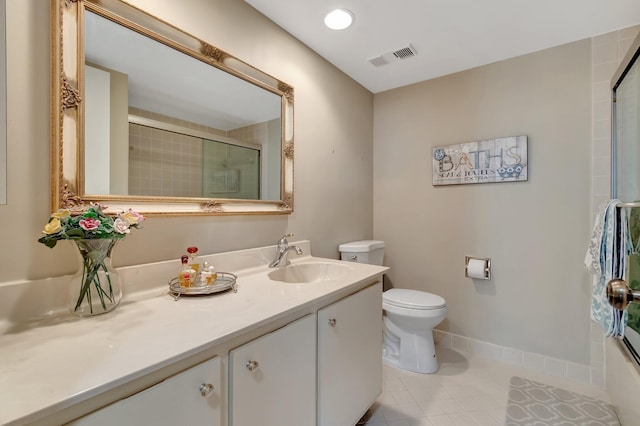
(404, 53)
(396, 55)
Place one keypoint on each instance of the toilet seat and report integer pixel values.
(413, 299)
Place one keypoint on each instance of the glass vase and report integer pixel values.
(96, 287)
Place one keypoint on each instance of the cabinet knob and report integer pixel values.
(252, 365)
(332, 322)
(206, 389)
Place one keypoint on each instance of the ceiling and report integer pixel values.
(446, 36)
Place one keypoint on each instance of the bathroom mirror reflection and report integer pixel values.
(170, 125)
(147, 116)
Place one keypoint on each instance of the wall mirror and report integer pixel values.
(147, 116)
(625, 176)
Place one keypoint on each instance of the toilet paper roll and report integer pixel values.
(476, 268)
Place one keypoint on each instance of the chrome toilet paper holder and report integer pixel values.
(487, 267)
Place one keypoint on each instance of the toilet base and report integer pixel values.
(412, 352)
(394, 363)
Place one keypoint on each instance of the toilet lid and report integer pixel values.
(413, 299)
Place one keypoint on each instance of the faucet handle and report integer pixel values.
(284, 238)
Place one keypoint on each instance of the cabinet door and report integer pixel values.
(184, 398)
(349, 357)
(272, 379)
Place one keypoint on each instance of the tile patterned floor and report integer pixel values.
(466, 391)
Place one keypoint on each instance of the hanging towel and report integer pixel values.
(606, 259)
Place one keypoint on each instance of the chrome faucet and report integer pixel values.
(282, 252)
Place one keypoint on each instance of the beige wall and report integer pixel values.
(333, 135)
(535, 232)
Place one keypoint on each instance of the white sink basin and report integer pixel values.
(310, 272)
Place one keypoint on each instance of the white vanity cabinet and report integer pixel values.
(272, 379)
(190, 397)
(270, 352)
(349, 357)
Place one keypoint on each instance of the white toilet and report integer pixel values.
(409, 316)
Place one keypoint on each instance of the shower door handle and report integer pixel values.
(620, 294)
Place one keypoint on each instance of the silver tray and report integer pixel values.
(225, 281)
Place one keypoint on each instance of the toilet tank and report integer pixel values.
(367, 251)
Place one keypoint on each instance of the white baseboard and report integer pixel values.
(593, 375)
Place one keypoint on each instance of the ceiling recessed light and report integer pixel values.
(338, 19)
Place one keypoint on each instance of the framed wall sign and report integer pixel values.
(493, 160)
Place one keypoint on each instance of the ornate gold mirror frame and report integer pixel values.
(67, 118)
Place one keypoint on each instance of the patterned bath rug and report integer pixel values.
(536, 404)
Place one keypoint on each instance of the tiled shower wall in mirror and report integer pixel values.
(164, 163)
